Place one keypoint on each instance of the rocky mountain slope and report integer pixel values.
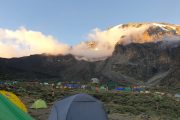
(150, 63)
(142, 53)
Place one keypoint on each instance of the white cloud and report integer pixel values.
(23, 42)
(106, 41)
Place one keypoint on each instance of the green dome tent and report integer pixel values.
(102, 88)
(38, 104)
(9, 111)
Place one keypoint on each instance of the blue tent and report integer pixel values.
(78, 107)
(72, 86)
(120, 88)
(1, 82)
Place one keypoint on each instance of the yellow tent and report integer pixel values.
(14, 99)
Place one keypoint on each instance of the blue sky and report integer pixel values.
(71, 20)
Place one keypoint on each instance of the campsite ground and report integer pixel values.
(119, 105)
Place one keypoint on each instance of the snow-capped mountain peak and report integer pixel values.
(101, 43)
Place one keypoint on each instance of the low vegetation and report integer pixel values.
(119, 105)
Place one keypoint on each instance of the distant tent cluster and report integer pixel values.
(93, 84)
(9, 82)
(128, 89)
(72, 86)
(8, 85)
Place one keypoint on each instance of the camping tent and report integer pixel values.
(95, 80)
(177, 95)
(58, 84)
(119, 89)
(10, 111)
(14, 99)
(128, 89)
(78, 107)
(39, 104)
(102, 88)
(72, 86)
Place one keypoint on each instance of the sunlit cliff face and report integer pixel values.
(138, 33)
(100, 41)
(99, 44)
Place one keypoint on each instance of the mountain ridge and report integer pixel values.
(155, 62)
(130, 64)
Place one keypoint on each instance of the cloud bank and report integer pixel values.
(23, 42)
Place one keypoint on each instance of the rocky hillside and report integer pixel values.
(148, 63)
(43, 67)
